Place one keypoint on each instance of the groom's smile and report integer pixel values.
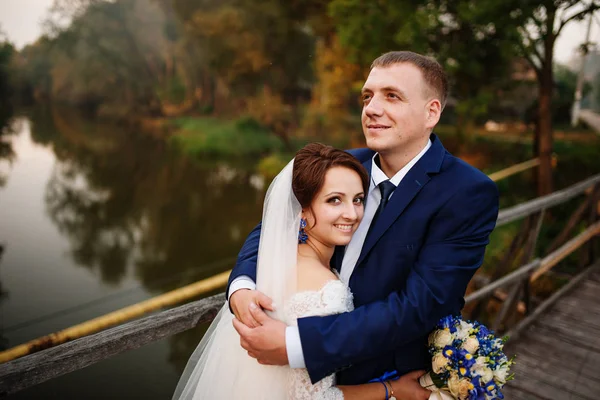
(374, 128)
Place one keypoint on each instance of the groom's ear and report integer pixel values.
(433, 111)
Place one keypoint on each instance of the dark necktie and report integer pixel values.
(386, 188)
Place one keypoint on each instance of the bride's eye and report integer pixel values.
(359, 200)
(334, 200)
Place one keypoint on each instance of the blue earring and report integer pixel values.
(302, 236)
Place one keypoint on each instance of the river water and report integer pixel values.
(95, 217)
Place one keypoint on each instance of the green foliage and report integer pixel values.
(211, 136)
(475, 43)
(272, 164)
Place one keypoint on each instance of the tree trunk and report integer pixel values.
(543, 143)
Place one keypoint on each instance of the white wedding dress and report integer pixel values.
(333, 298)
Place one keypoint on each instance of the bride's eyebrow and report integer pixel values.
(335, 193)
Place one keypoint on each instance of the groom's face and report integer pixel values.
(396, 115)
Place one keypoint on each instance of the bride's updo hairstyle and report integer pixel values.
(311, 165)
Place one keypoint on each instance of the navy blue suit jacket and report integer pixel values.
(413, 269)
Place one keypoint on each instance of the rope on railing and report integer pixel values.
(117, 317)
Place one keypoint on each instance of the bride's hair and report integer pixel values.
(311, 165)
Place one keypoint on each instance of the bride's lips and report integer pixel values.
(346, 228)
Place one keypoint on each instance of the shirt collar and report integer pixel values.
(378, 176)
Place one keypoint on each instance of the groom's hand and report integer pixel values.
(266, 342)
(240, 301)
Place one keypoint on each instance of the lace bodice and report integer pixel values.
(333, 298)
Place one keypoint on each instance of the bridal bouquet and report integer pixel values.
(467, 361)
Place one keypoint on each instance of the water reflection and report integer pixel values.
(124, 199)
(130, 207)
(7, 128)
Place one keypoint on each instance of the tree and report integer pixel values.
(545, 21)
(109, 54)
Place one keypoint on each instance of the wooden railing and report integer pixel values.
(50, 363)
(521, 253)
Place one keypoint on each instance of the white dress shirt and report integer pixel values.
(292, 334)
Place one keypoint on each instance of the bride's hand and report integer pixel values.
(409, 388)
(240, 301)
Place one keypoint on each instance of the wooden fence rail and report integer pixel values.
(47, 364)
(50, 363)
(541, 203)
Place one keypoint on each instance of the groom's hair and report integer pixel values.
(433, 73)
(311, 165)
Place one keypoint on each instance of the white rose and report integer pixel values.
(453, 384)
(480, 361)
(471, 344)
(440, 338)
(439, 363)
(501, 374)
(486, 374)
(463, 330)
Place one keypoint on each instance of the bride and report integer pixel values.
(314, 204)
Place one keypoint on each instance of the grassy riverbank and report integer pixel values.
(205, 136)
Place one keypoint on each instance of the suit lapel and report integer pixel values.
(409, 187)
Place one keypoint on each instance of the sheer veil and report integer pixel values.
(220, 368)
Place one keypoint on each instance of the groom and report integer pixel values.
(407, 266)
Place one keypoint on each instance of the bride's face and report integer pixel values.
(337, 209)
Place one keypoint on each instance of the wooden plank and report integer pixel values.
(538, 382)
(515, 276)
(47, 364)
(578, 335)
(566, 249)
(570, 225)
(574, 305)
(548, 303)
(558, 353)
(513, 392)
(550, 374)
(514, 169)
(536, 205)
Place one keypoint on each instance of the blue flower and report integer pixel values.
(492, 390)
(478, 392)
(451, 353)
(449, 322)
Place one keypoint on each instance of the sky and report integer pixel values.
(21, 21)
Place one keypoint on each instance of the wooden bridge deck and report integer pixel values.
(558, 355)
